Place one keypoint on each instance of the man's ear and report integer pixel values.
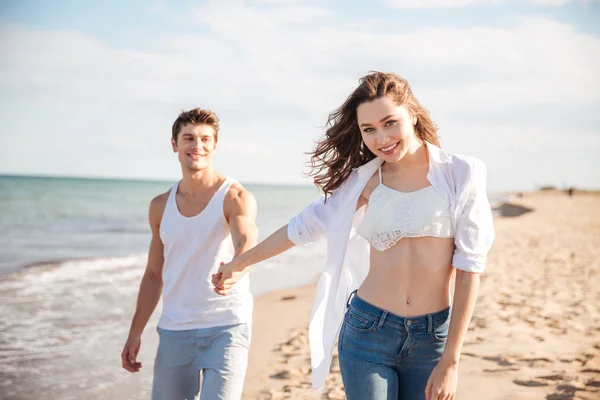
(174, 145)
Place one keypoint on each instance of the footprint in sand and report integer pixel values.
(585, 359)
(285, 374)
(529, 383)
(534, 361)
(560, 396)
(500, 360)
(501, 369)
(593, 383)
(591, 370)
(555, 377)
(570, 389)
(568, 392)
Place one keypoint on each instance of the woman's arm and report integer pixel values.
(473, 239)
(466, 290)
(229, 274)
(444, 378)
(307, 227)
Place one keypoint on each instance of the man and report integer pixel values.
(203, 220)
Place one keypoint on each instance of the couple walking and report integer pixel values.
(408, 228)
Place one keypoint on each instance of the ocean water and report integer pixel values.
(72, 254)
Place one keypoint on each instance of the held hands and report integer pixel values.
(442, 382)
(228, 275)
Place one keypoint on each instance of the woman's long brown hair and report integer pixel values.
(342, 149)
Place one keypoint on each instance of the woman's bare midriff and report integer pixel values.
(412, 278)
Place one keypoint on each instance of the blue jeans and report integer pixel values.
(217, 356)
(384, 356)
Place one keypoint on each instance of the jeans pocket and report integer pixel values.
(360, 322)
(440, 332)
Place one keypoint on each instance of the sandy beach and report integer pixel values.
(535, 333)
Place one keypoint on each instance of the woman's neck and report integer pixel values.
(417, 156)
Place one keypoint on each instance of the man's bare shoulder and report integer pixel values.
(238, 193)
(239, 199)
(157, 206)
(160, 201)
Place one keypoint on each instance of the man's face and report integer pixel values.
(195, 146)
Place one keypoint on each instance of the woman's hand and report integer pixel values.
(228, 275)
(442, 381)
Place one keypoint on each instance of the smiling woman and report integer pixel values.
(385, 292)
(344, 134)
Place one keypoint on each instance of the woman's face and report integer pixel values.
(388, 130)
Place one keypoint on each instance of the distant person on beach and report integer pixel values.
(204, 219)
(403, 219)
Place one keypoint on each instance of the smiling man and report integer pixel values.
(205, 219)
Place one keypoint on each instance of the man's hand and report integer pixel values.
(228, 275)
(130, 352)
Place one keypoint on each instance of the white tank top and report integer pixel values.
(193, 250)
(392, 215)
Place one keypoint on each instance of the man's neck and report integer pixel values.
(199, 180)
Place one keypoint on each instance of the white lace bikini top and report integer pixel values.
(392, 215)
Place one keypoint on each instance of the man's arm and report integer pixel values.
(240, 212)
(150, 288)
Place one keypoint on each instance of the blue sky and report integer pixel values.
(92, 88)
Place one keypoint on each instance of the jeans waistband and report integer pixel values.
(426, 321)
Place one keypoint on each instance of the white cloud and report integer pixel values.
(272, 73)
(424, 4)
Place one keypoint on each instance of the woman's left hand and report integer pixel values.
(442, 382)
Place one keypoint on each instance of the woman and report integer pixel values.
(404, 221)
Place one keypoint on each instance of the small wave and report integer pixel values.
(52, 263)
(126, 230)
(60, 307)
(83, 262)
